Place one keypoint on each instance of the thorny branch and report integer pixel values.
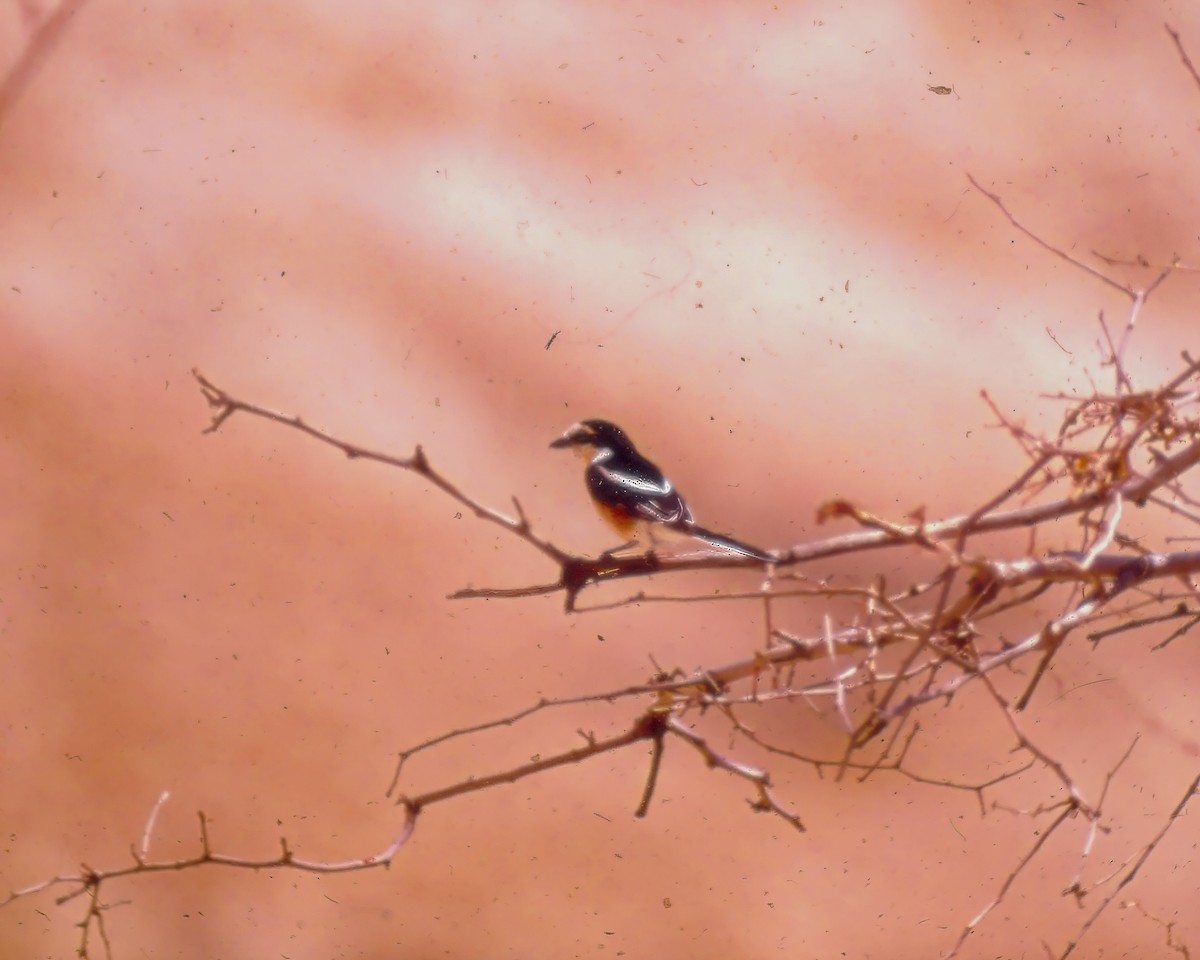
(1126, 447)
(88, 882)
(1123, 448)
(1129, 875)
(1115, 450)
(577, 572)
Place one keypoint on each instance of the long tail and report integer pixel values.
(720, 540)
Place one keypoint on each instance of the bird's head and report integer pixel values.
(594, 434)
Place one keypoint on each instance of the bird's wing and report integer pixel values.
(647, 494)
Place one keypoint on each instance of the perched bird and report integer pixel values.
(631, 493)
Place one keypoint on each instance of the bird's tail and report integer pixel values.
(720, 540)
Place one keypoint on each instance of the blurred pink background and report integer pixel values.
(748, 230)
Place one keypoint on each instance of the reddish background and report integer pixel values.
(749, 228)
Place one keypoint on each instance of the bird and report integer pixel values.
(632, 494)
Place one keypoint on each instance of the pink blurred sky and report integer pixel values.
(748, 229)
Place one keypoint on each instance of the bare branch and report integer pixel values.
(647, 727)
(1131, 874)
(766, 801)
(1061, 254)
(578, 572)
(656, 755)
(143, 852)
(1044, 836)
(226, 406)
(1183, 54)
(88, 881)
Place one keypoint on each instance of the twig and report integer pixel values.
(656, 755)
(227, 405)
(1043, 837)
(88, 882)
(1183, 54)
(144, 850)
(1132, 873)
(1062, 254)
(762, 782)
(647, 727)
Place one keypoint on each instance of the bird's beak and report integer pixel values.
(573, 437)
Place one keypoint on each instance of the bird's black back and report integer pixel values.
(627, 480)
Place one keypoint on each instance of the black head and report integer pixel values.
(594, 433)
